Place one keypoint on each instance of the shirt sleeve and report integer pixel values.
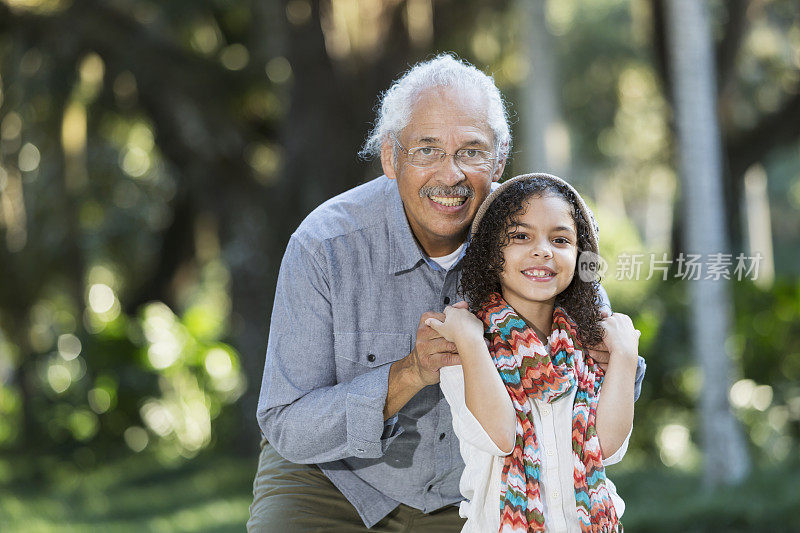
(602, 297)
(641, 368)
(465, 425)
(302, 411)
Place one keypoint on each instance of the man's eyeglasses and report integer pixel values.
(467, 159)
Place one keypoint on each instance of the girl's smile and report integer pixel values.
(540, 273)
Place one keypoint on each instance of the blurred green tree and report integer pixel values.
(155, 157)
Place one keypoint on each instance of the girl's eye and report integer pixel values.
(518, 236)
(561, 240)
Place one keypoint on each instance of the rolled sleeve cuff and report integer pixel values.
(465, 425)
(620, 453)
(368, 435)
(641, 368)
(473, 432)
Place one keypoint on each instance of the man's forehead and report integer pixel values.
(465, 103)
(441, 112)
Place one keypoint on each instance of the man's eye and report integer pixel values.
(470, 153)
(425, 150)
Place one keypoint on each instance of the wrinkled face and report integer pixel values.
(541, 254)
(441, 201)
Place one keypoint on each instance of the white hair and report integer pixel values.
(444, 70)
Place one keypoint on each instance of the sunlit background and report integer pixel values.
(155, 157)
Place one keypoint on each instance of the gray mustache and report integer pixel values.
(443, 190)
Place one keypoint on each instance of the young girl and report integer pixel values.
(535, 430)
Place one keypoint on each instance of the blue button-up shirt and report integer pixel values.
(352, 287)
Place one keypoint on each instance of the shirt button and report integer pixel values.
(446, 300)
(545, 411)
(550, 453)
(442, 436)
(430, 488)
(371, 358)
(555, 494)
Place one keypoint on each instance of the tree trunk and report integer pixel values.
(545, 138)
(693, 75)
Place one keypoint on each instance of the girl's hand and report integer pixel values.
(459, 325)
(620, 337)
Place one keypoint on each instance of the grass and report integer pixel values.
(133, 494)
(212, 494)
(664, 501)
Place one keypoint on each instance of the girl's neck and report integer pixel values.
(538, 315)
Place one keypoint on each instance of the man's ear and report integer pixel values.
(387, 160)
(501, 163)
(498, 170)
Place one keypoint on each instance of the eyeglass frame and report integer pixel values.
(445, 154)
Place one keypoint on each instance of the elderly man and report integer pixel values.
(357, 432)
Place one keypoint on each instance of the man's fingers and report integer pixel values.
(434, 323)
(440, 345)
(424, 331)
(601, 346)
(600, 356)
(431, 314)
(605, 312)
(449, 359)
(461, 305)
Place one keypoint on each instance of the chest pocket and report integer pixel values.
(359, 352)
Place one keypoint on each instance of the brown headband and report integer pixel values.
(586, 213)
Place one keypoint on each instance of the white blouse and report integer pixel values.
(480, 482)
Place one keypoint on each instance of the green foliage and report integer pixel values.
(213, 492)
(140, 182)
(154, 378)
(765, 394)
(139, 493)
(659, 501)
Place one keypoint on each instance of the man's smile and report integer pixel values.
(449, 201)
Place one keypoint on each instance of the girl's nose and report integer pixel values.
(541, 250)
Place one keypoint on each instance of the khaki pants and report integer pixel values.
(289, 497)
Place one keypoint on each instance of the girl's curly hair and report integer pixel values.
(483, 261)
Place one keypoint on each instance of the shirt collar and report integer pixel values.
(405, 252)
(437, 267)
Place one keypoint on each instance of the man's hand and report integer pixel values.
(599, 352)
(618, 335)
(421, 367)
(621, 337)
(459, 326)
(431, 351)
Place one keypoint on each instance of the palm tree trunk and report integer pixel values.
(545, 139)
(691, 60)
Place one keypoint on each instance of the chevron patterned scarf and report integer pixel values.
(529, 372)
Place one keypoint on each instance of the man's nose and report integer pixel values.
(449, 171)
